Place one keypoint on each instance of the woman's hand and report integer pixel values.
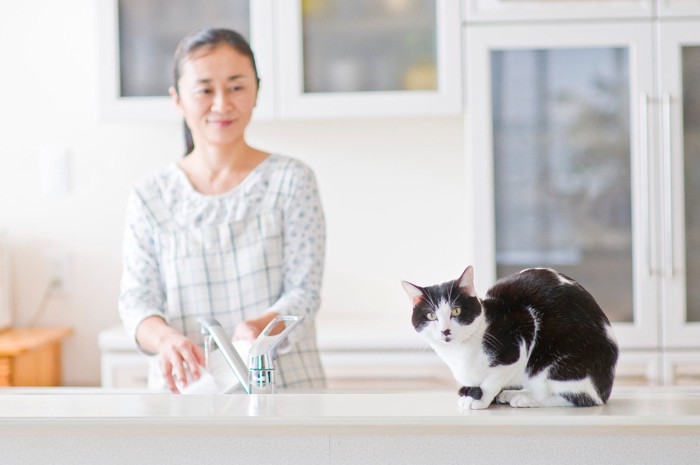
(249, 330)
(176, 353)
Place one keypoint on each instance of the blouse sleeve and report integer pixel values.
(142, 293)
(303, 250)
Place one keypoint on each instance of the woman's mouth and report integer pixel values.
(221, 122)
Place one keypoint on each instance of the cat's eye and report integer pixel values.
(431, 316)
(456, 311)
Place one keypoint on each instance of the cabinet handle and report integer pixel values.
(645, 183)
(667, 190)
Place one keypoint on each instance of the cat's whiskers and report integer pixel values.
(419, 348)
(454, 300)
(429, 299)
(493, 341)
(434, 304)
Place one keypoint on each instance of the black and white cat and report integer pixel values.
(537, 339)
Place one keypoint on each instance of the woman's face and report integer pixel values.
(217, 93)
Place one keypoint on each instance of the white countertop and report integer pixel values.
(658, 408)
(88, 426)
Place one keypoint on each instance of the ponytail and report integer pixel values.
(189, 143)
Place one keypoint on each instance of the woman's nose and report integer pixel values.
(220, 103)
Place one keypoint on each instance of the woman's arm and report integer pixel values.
(303, 249)
(142, 294)
(142, 299)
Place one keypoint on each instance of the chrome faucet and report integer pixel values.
(258, 376)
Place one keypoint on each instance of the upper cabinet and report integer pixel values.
(678, 8)
(137, 41)
(560, 144)
(584, 144)
(368, 58)
(523, 10)
(678, 102)
(315, 58)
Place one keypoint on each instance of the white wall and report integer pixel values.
(393, 189)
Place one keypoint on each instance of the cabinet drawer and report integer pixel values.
(391, 370)
(5, 372)
(124, 370)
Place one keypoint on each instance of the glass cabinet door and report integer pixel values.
(138, 40)
(559, 152)
(149, 32)
(369, 46)
(562, 171)
(680, 193)
(369, 57)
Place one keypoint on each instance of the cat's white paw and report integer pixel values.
(505, 396)
(465, 403)
(469, 403)
(480, 404)
(523, 400)
(517, 399)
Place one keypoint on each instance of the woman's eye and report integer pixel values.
(456, 311)
(431, 316)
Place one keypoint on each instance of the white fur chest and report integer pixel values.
(467, 361)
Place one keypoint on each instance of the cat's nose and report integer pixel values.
(446, 332)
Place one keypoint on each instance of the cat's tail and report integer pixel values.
(604, 376)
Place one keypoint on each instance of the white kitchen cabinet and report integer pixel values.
(368, 58)
(681, 368)
(121, 364)
(524, 10)
(582, 162)
(555, 133)
(678, 162)
(386, 370)
(137, 42)
(315, 58)
(678, 8)
(528, 10)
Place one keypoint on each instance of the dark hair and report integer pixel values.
(208, 38)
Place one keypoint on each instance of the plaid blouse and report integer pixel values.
(259, 247)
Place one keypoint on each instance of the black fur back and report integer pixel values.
(570, 333)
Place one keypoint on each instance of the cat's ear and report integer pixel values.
(466, 282)
(414, 292)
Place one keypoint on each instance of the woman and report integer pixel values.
(228, 232)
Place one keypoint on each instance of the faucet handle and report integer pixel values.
(266, 344)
